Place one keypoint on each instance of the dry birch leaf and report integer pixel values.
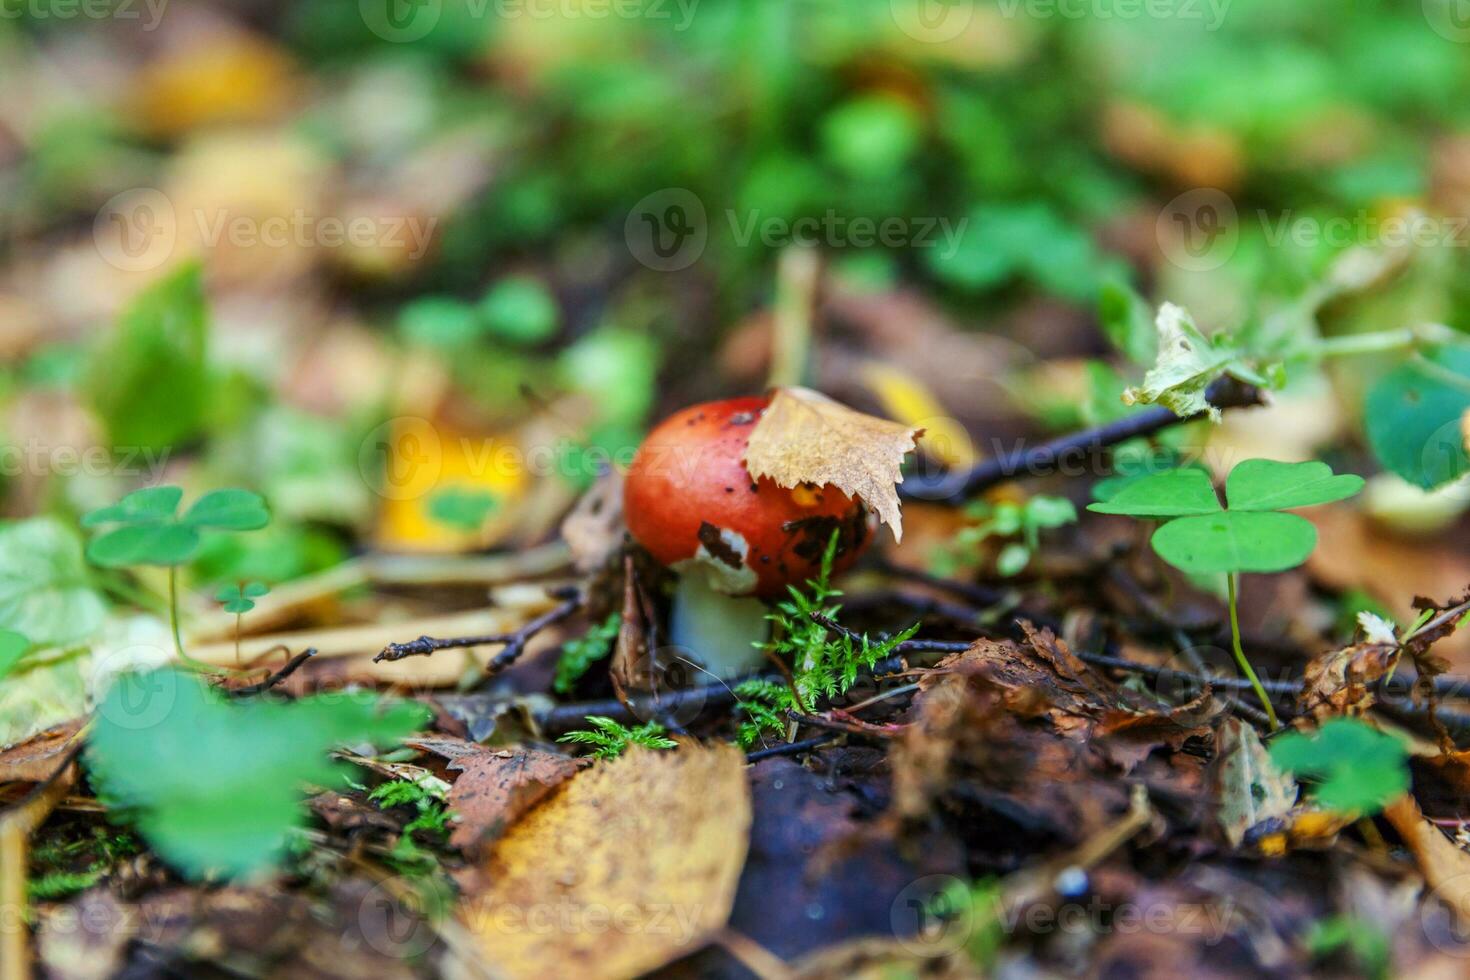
(632, 864)
(496, 787)
(806, 437)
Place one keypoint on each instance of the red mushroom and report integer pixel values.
(690, 501)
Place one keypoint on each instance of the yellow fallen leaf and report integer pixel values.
(421, 459)
(908, 399)
(806, 437)
(632, 864)
(221, 78)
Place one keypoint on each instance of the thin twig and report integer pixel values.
(290, 667)
(956, 488)
(515, 641)
(791, 748)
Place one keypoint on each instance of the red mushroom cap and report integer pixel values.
(690, 501)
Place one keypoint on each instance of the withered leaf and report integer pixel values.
(1251, 787)
(1339, 682)
(631, 865)
(498, 786)
(38, 757)
(1444, 866)
(806, 437)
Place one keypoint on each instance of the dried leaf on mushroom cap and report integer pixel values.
(806, 437)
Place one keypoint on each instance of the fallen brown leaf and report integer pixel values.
(1445, 867)
(1251, 788)
(1337, 682)
(630, 865)
(805, 437)
(37, 758)
(498, 787)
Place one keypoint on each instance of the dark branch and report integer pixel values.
(515, 641)
(790, 748)
(290, 667)
(957, 487)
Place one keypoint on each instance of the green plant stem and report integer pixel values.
(1245, 665)
(173, 619)
(1421, 335)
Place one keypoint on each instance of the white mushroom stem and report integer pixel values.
(722, 632)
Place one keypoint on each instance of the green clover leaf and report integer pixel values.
(1359, 768)
(1265, 484)
(1171, 493)
(151, 533)
(1236, 541)
(1201, 536)
(240, 598)
(229, 510)
(216, 786)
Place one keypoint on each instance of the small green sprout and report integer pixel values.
(1006, 519)
(578, 656)
(431, 816)
(1359, 769)
(461, 508)
(150, 531)
(612, 739)
(1201, 536)
(240, 599)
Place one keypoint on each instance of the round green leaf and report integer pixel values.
(150, 505)
(231, 510)
(1172, 493)
(1236, 541)
(1265, 484)
(145, 544)
(1412, 417)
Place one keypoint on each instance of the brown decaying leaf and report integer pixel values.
(628, 866)
(1338, 682)
(806, 437)
(37, 758)
(497, 787)
(1251, 788)
(1445, 867)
